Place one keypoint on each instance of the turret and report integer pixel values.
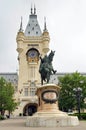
(46, 38)
(20, 38)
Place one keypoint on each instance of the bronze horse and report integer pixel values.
(46, 68)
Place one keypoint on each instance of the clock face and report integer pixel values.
(32, 53)
(32, 56)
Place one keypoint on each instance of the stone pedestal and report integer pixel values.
(48, 114)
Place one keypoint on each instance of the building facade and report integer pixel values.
(31, 44)
(24, 102)
(12, 78)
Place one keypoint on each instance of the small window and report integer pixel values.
(33, 28)
(36, 32)
(32, 84)
(29, 24)
(26, 91)
(32, 91)
(28, 32)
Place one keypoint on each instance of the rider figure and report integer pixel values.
(46, 67)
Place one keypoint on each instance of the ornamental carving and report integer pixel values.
(50, 96)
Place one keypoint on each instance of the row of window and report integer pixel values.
(29, 93)
(35, 25)
(29, 32)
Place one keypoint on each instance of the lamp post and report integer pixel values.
(78, 95)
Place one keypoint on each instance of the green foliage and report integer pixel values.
(82, 115)
(67, 100)
(6, 96)
(2, 117)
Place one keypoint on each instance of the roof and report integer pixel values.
(10, 77)
(33, 28)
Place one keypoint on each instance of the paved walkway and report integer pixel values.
(19, 124)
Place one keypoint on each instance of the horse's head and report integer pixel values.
(51, 55)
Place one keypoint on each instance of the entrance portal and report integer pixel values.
(30, 109)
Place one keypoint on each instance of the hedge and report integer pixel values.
(82, 115)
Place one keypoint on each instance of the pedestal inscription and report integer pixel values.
(49, 96)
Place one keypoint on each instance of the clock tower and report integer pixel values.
(31, 44)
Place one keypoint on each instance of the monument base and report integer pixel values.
(48, 114)
(51, 119)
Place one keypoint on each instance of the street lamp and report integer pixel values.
(78, 95)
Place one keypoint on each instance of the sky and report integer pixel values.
(66, 24)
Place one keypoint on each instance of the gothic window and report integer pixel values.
(36, 32)
(33, 28)
(32, 84)
(25, 91)
(32, 91)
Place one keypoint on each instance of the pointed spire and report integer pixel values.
(31, 9)
(34, 9)
(45, 27)
(21, 29)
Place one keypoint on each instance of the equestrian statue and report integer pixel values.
(46, 68)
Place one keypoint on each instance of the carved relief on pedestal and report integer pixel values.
(49, 96)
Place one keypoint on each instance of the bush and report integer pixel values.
(82, 115)
(2, 117)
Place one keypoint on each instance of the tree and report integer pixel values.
(7, 101)
(10, 104)
(2, 95)
(67, 99)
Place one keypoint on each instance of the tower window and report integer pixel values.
(26, 91)
(29, 24)
(28, 32)
(33, 28)
(36, 32)
(36, 24)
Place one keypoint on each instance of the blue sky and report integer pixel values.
(66, 23)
